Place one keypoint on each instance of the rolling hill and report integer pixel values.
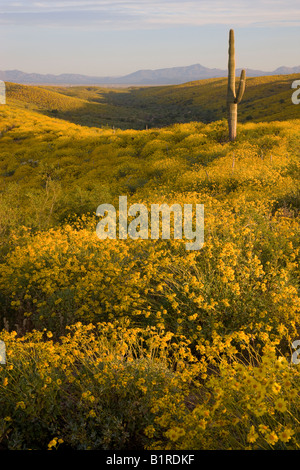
(266, 98)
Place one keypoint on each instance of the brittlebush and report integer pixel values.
(109, 386)
(172, 349)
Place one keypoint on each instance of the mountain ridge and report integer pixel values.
(164, 76)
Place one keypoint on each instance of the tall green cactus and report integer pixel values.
(233, 98)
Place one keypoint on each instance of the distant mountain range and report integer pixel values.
(166, 76)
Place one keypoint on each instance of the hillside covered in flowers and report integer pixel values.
(141, 344)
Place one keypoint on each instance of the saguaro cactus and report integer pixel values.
(233, 98)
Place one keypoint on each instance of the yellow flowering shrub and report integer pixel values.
(140, 343)
(91, 390)
(247, 400)
(245, 276)
(109, 386)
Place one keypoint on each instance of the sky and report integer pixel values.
(118, 37)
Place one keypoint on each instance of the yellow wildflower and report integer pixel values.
(175, 433)
(149, 431)
(272, 438)
(252, 435)
(52, 443)
(281, 405)
(21, 405)
(276, 387)
(286, 434)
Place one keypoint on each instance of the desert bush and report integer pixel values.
(108, 386)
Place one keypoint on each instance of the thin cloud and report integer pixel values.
(142, 14)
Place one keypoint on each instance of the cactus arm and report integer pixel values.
(241, 89)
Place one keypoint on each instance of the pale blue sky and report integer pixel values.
(117, 37)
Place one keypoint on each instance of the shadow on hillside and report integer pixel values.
(133, 109)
